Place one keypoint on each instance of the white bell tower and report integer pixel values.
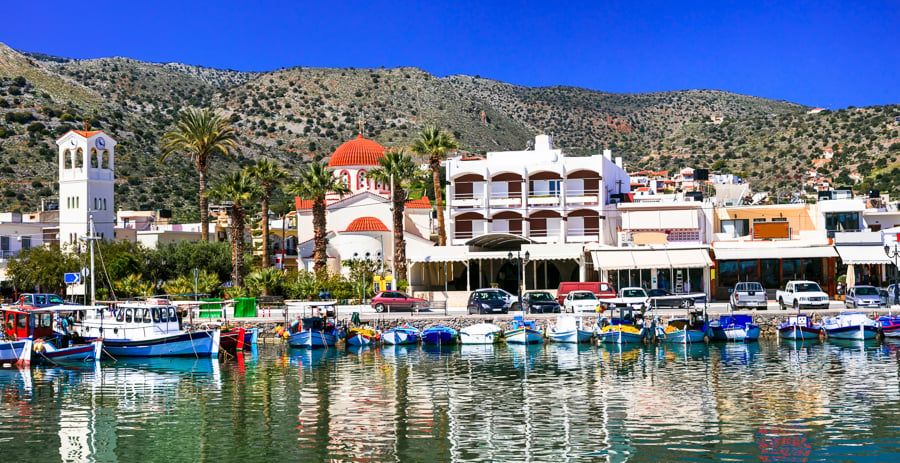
(86, 186)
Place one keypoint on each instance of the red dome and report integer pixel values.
(358, 152)
(366, 224)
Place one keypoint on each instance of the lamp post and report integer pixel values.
(894, 254)
(520, 262)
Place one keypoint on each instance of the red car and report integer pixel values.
(395, 300)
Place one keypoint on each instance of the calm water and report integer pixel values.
(759, 402)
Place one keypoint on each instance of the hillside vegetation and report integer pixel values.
(298, 114)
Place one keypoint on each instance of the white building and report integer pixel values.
(86, 181)
(540, 201)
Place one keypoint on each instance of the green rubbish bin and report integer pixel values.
(211, 310)
(244, 307)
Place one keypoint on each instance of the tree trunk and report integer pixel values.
(265, 226)
(204, 208)
(436, 174)
(237, 244)
(321, 242)
(399, 241)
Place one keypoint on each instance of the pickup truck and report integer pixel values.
(634, 297)
(802, 294)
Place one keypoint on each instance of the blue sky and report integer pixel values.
(827, 54)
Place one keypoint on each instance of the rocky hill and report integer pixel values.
(298, 114)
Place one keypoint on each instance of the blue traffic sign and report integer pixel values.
(72, 278)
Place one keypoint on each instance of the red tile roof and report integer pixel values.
(366, 224)
(357, 152)
(302, 203)
(421, 203)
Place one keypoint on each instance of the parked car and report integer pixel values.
(581, 301)
(599, 288)
(862, 296)
(486, 301)
(634, 297)
(40, 300)
(511, 300)
(539, 302)
(395, 300)
(801, 294)
(663, 298)
(749, 294)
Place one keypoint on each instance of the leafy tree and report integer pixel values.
(266, 282)
(200, 134)
(172, 260)
(315, 182)
(240, 188)
(399, 166)
(41, 269)
(269, 175)
(435, 144)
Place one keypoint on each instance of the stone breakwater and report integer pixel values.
(768, 321)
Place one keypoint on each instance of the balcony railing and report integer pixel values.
(543, 200)
(583, 235)
(506, 199)
(4, 255)
(466, 200)
(582, 196)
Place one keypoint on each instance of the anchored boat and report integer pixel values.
(523, 332)
(737, 328)
(570, 329)
(799, 327)
(401, 335)
(50, 331)
(439, 334)
(850, 325)
(480, 333)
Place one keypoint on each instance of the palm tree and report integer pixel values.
(399, 166)
(315, 182)
(200, 134)
(269, 175)
(240, 188)
(436, 143)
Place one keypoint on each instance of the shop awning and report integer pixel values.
(624, 259)
(554, 252)
(440, 254)
(772, 252)
(863, 255)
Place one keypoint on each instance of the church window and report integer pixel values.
(345, 178)
(79, 158)
(108, 160)
(95, 158)
(67, 160)
(361, 180)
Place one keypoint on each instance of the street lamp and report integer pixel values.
(894, 254)
(520, 262)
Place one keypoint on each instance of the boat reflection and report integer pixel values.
(310, 358)
(15, 384)
(476, 351)
(439, 349)
(674, 351)
(524, 355)
(739, 353)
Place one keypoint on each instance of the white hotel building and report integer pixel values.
(540, 201)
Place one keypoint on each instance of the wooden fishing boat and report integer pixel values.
(799, 327)
(401, 335)
(850, 325)
(569, 329)
(480, 333)
(625, 327)
(312, 332)
(233, 339)
(736, 328)
(690, 330)
(439, 334)
(150, 328)
(50, 330)
(889, 325)
(360, 337)
(18, 352)
(523, 331)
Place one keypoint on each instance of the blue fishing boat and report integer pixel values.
(625, 327)
(889, 325)
(360, 337)
(151, 328)
(49, 329)
(690, 330)
(439, 334)
(738, 328)
(850, 325)
(569, 329)
(401, 335)
(523, 331)
(15, 351)
(312, 332)
(799, 327)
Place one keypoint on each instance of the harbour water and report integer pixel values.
(772, 401)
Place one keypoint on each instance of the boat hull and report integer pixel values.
(571, 336)
(312, 339)
(481, 333)
(889, 326)
(682, 336)
(400, 336)
(190, 344)
(799, 333)
(619, 337)
(858, 332)
(524, 336)
(15, 351)
(229, 339)
(358, 339)
(438, 337)
(76, 354)
(747, 333)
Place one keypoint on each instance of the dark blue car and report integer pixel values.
(486, 301)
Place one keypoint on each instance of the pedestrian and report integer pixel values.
(687, 286)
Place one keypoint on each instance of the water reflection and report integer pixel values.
(772, 401)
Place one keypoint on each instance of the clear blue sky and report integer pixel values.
(830, 54)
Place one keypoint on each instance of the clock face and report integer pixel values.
(72, 142)
(100, 143)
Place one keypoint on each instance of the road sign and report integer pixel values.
(85, 272)
(72, 278)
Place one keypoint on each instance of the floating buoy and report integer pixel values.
(38, 346)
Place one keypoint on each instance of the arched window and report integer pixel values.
(106, 158)
(95, 158)
(361, 180)
(79, 158)
(67, 159)
(345, 178)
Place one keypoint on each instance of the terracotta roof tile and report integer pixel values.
(366, 224)
(357, 152)
(421, 203)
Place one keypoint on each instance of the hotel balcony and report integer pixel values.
(544, 200)
(506, 200)
(466, 200)
(583, 235)
(586, 197)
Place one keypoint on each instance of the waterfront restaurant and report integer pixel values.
(771, 244)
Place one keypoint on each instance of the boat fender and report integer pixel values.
(38, 346)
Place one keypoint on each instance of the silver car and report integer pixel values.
(862, 296)
(748, 294)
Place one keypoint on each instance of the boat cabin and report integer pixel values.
(20, 322)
